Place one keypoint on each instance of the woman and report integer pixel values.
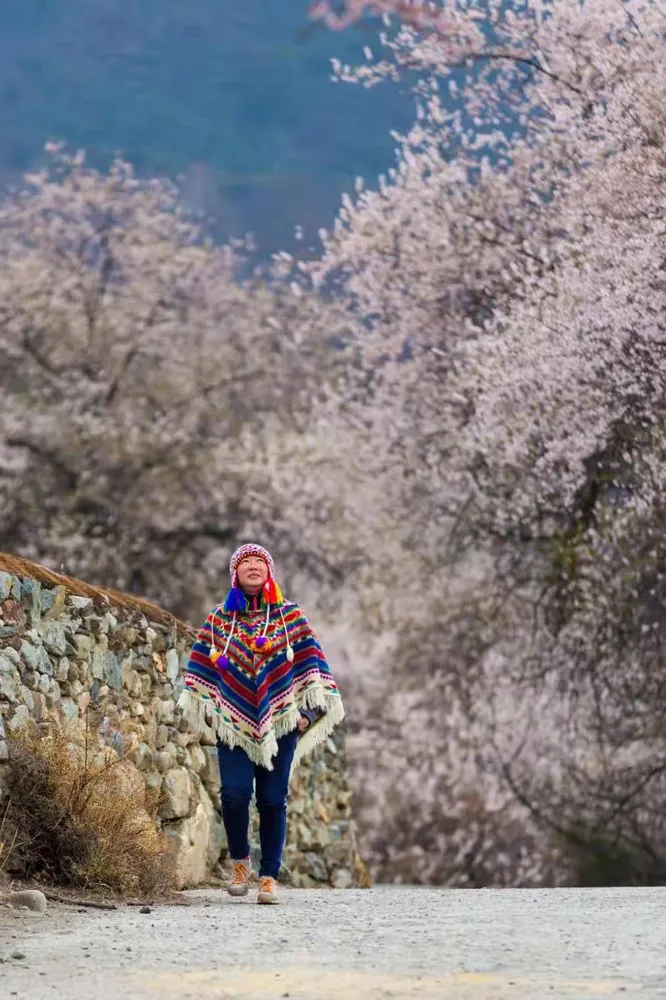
(257, 666)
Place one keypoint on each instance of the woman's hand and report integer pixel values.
(303, 724)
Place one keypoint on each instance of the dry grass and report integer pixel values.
(80, 817)
(7, 843)
(100, 595)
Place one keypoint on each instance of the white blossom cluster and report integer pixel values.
(154, 407)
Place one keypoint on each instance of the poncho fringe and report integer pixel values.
(196, 713)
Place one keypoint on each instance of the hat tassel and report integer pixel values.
(235, 600)
(272, 592)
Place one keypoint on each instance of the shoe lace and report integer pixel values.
(241, 873)
(267, 884)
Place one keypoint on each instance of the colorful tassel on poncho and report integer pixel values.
(253, 689)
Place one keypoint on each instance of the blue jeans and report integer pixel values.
(238, 775)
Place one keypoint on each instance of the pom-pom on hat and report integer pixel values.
(236, 599)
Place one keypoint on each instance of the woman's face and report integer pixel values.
(252, 574)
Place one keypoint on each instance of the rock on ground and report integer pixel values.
(30, 899)
(423, 944)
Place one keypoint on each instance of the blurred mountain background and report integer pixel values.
(234, 98)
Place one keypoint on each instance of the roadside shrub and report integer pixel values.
(7, 844)
(78, 816)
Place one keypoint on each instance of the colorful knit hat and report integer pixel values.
(236, 599)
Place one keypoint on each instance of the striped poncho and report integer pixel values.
(255, 696)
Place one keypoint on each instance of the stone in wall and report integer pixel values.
(69, 658)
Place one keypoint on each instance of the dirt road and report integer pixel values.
(402, 943)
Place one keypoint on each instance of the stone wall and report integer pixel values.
(75, 655)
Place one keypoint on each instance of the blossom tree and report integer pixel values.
(509, 279)
(156, 408)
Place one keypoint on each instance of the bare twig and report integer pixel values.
(55, 897)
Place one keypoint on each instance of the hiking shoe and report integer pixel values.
(240, 879)
(267, 891)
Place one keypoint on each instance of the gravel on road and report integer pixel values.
(388, 942)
